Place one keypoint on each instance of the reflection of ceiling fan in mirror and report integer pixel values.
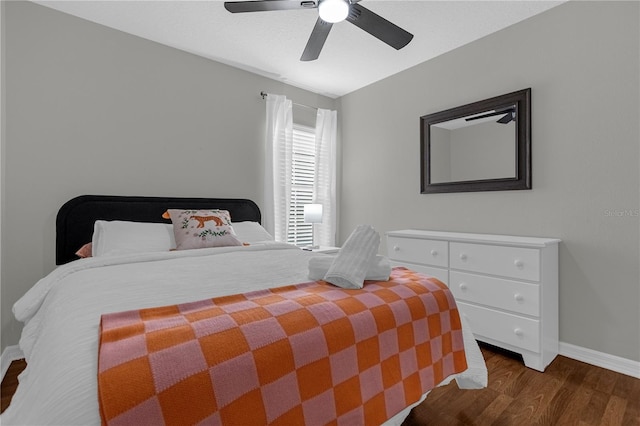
(331, 12)
(509, 115)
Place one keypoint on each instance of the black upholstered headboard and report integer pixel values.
(74, 223)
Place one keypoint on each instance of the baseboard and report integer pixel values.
(10, 354)
(601, 359)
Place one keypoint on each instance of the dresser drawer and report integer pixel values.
(414, 250)
(439, 273)
(502, 327)
(511, 262)
(515, 296)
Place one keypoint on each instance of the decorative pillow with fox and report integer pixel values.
(202, 228)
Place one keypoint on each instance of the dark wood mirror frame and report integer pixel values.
(522, 180)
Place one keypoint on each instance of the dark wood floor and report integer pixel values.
(569, 392)
(10, 382)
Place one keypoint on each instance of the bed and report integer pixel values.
(62, 312)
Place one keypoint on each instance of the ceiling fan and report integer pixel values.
(509, 115)
(330, 12)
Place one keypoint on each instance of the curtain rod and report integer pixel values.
(265, 94)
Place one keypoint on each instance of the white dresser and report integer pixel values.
(506, 286)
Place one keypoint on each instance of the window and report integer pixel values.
(296, 176)
(302, 183)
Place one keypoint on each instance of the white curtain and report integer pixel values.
(277, 177)
(325, 179)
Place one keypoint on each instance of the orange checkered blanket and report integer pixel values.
(309, 354)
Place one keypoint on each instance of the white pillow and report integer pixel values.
(251, 232)
(121, 237)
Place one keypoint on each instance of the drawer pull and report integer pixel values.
(463, 286)
(519, 263)
(518, 297)
(396, 248)
(518, 332)
(463, 257)
(434, 253)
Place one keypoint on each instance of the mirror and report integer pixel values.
(483, 146)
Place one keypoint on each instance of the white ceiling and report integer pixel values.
(270, 43)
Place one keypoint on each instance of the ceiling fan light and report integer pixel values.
(333, 10)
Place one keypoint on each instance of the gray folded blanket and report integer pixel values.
(355, 258)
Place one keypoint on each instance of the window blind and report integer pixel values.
(302, 184)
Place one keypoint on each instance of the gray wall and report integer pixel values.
(480, 151)
(91, 110)
(440, 150)
(483, 151)
(581, 60)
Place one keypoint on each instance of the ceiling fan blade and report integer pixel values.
(268, 5)
(379, 27)
(478, 117)
(490, 114)
(316, 40)
(508, 118)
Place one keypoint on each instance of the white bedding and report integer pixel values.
(62, 316)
